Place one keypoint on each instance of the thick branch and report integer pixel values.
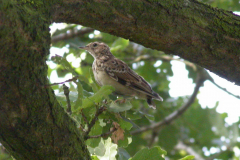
(71, 34)
(197, 32)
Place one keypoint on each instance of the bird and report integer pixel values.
(109, 70)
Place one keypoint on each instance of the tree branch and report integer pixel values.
(225, 90)
(200, 79)
(197, 32)
(69, 80)
(95, 118)
(163, 58)
(71, 34)
(102, 135)
(66, 93)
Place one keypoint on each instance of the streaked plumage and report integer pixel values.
(109, 70)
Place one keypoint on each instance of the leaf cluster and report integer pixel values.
(109, 133)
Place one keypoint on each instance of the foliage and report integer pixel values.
(110, 130)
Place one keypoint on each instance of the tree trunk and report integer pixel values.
(32, 123)
(192, 30)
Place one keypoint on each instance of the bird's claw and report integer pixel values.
(120, 101)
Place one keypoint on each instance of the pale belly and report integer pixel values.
(103, 79)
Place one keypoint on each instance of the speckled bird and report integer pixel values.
(108, 70)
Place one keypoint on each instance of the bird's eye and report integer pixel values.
(94, 44)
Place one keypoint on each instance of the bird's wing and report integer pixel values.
(120, 72)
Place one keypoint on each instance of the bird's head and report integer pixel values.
(98, 50)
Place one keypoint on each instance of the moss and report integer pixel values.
(37, 122)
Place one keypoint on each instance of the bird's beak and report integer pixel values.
(85, 47)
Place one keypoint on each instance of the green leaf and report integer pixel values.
(187, 158)
(166, 140)
(83, 78)
(123, 154)
(125, 125)
(133, 115)
(155, 153)
(99, 150)
(116, 107)
(78, 102)
(105, 150)
(97, 97)
(94, 157)
(93, 142)
(148, 116)
(119, 44)
(111, 149)
(127, 140)
(94, 85)
(96, 130)
(60, 60)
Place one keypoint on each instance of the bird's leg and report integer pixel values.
(120, 101)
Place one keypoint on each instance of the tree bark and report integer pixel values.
(197, 32)
(32, 123)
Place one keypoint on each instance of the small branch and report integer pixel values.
(101, 135)
(155, 134)
(66, 93)
(98, 112)
(225, 90)
(84, 118)
(163, 58)
(200, 79)
(73, 33)
(69, 80)
(82, 128)
(208, 77)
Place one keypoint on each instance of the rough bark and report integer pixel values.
(197, 32)
(32, 123)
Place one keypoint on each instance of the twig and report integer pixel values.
(164, 58)
(66, 93)
(98, 112)
(225, 90)
(69, 80)
(200, 79)
(82, 128)
(84, 117)
(155, 134)
(102, 135)
(208, 77)
(73, 33)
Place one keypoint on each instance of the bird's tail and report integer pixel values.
(156, 96)
(150, 102)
